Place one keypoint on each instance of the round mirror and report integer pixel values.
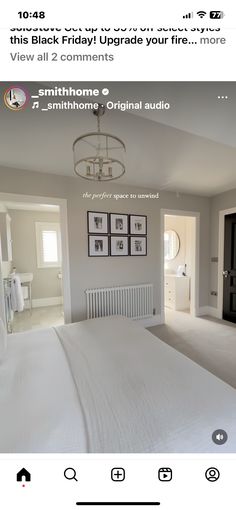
(171, 244)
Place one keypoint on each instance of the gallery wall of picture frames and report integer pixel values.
(116, 235)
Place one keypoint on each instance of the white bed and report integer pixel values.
(108, 386)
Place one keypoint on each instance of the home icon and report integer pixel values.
(23, 476)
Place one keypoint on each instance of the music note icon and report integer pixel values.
(35, 105)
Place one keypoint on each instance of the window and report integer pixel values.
(48, 243)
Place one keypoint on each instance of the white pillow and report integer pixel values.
(3, 340)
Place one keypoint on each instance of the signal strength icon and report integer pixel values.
(201, 14)
(188, 16)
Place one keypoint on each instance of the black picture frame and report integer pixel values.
(101, 216)
(141, 220)
(123, 239)
(136, 241)
(96, 249)
(113, 217)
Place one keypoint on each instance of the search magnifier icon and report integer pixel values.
(70, 474)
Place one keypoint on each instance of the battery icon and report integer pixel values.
(216, 14)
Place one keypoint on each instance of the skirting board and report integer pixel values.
(38, 303)
(154, 320)
(209, 310)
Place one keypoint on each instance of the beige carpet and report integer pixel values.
(209, 342)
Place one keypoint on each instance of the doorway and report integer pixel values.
(180, 262)
(229, 271)
(34, 244)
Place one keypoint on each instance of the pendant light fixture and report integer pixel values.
(99, 156)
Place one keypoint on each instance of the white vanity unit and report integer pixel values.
(177, 292)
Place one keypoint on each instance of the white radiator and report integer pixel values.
(134, 301)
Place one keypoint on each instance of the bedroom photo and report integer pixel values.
(118, 267)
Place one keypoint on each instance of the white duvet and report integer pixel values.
(108, 386)
(38, 401)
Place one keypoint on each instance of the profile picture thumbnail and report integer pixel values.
(16, 98)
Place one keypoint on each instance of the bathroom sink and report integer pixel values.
(26, 277)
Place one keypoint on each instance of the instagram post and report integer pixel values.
(117, 267)
(117, 256)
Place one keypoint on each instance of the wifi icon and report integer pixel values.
(201, 14)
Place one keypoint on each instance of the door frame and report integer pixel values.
(194, 305)
(62, 203)
(2, 301)
(221, 242)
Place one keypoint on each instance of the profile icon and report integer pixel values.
(212, 474)
(16, 98)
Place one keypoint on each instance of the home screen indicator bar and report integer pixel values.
(118, 503)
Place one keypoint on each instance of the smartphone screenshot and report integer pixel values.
(117, 259)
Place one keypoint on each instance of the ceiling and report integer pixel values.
(189, 148)
(195, 107)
